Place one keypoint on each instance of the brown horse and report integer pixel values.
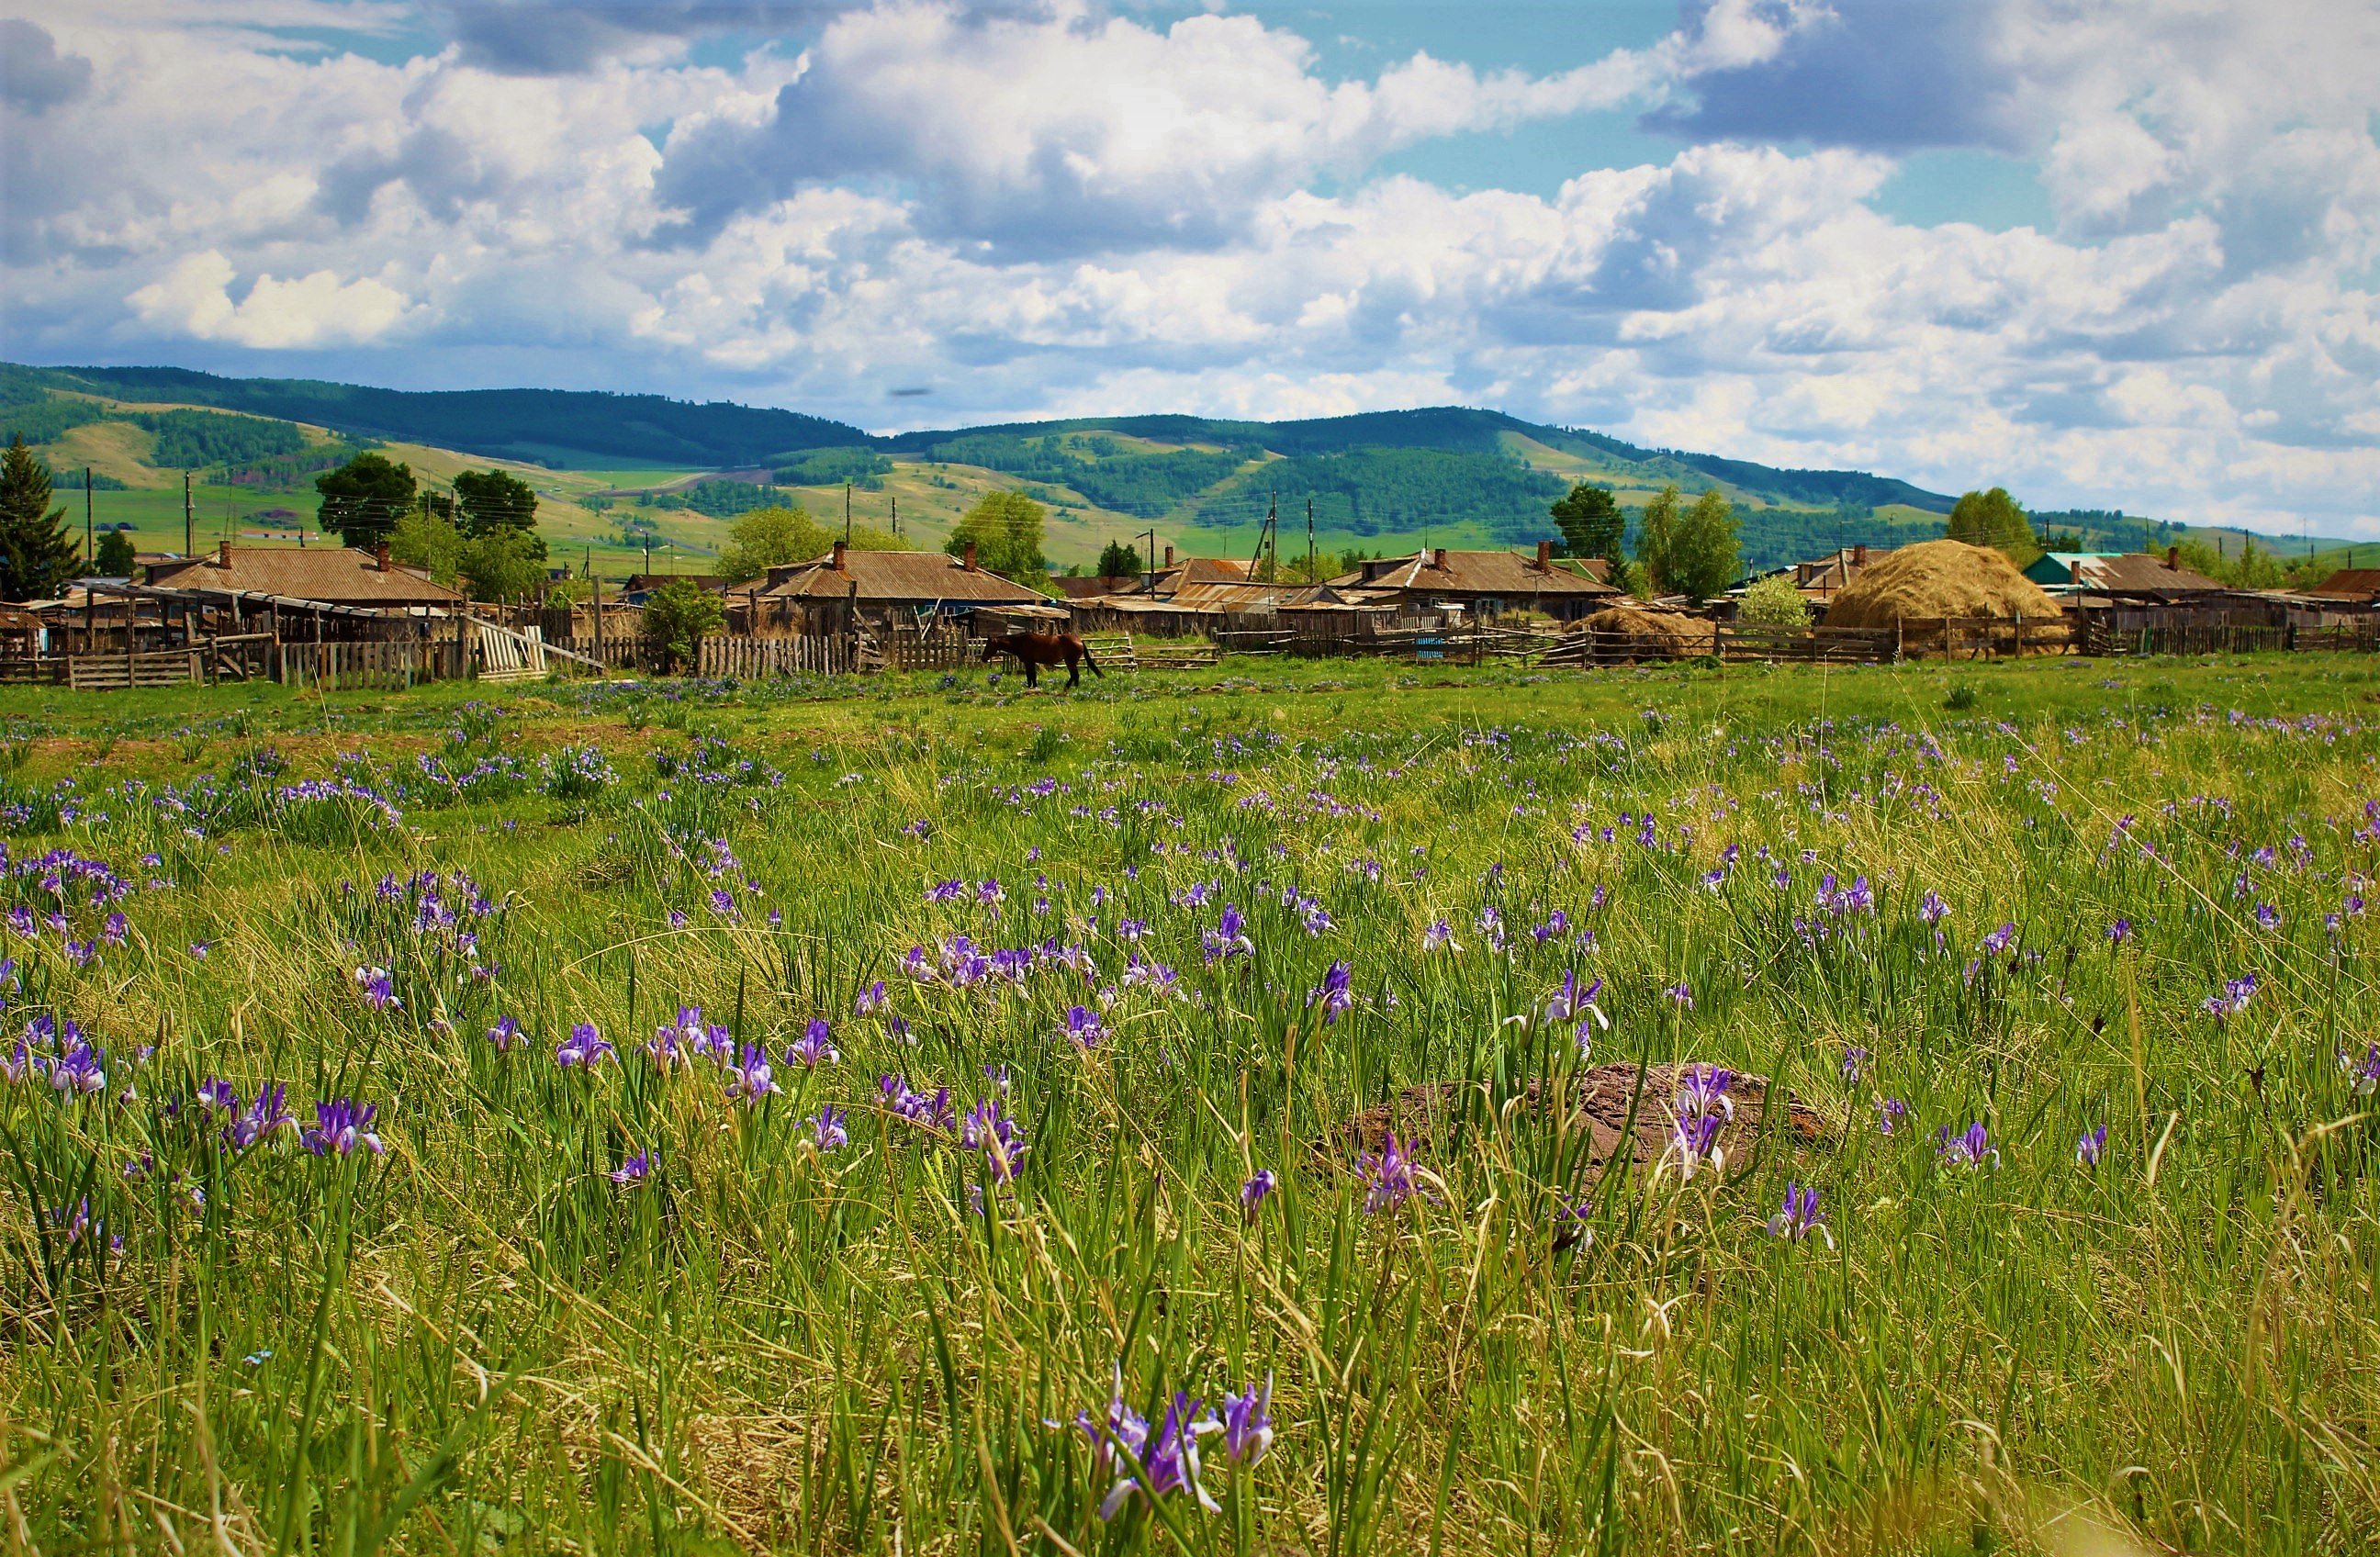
(1034, 650)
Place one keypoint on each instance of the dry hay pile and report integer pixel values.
(1935, 579)
(1650, 635)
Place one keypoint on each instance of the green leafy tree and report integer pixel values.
(771, 537)
(1774, 602)
(1591, 522)
(1657, 537)
(36, 557)
(1005, 528)
(115, 555)
(496, 502)
(429, 541)
(363, 499)
(678, 617)
(1994, 519)
(1704, 549)
(1119, 560)
(504, 565)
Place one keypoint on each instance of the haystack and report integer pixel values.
(1650, 635)
(1935, 579)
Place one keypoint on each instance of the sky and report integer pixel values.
(2106, 253)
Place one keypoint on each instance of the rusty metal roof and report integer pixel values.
(1506, 573)
(341, 575)
(907, 577)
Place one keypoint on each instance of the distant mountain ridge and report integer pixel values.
(588, 427)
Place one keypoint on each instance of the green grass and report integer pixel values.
(476, 1341)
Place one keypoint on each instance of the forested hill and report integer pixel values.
(1193, 455)
(541, 427)
(1454, 431)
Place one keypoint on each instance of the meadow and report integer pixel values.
(914, 1116)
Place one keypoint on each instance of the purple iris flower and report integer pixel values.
(217, 1096)
(1967, 1150)
(1334, 993)
(2233, 998)
(1229, 938)
(1800, 1216)
(1170, 1462)
(1248, 1424)
(827, 1129)
(2001, 939)
(2090, 1145)
(585, 1048)
(1681, 995)
(815, 1047)
(378, 991)
(1854, 1064)
(2120, 931)
(504, 1034)
(1388, 1177)
(750, 1077)
(2267, 917)
(81, 1070)
(342, 1126)
(636, 1170)
(870, 1001)
(991, 1130)
(934, 1113)
(1440, 936)
(1084, 1027)
(1889, 1112)
(1932, 910)
(267, 1115)
(1253, 1193)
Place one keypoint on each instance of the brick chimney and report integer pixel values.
(1437, 558)
(1169, 556)
(2074, 571)
(1858, 555)
(838, 556)
(967, 559)
(2173, 558)
(222, 554)
(379, 556)
(1545, 556)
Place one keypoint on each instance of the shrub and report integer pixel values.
(678, 617)
(1774, 602)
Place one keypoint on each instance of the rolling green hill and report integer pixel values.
(616, 472)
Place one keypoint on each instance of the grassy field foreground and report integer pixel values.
(905, 1117)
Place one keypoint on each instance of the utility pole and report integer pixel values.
(846, 513)
(189, 518)
(1151, 555)
(90, 548)
(896, 516)
(1311, 575)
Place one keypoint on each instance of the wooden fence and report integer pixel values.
(2101, 635)
(757, 658)
(945, 645)
(346, 667)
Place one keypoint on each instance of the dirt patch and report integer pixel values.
(1419, 1117)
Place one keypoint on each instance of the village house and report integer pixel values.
(1481, 583)
(2121, 575)
(903, 586)
(297, 576)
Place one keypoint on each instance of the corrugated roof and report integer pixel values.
(2133, 573)
(2349, 584)
(340, 575)
(909, 577)
(1505, 573)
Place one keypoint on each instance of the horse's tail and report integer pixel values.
(1093, 663)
